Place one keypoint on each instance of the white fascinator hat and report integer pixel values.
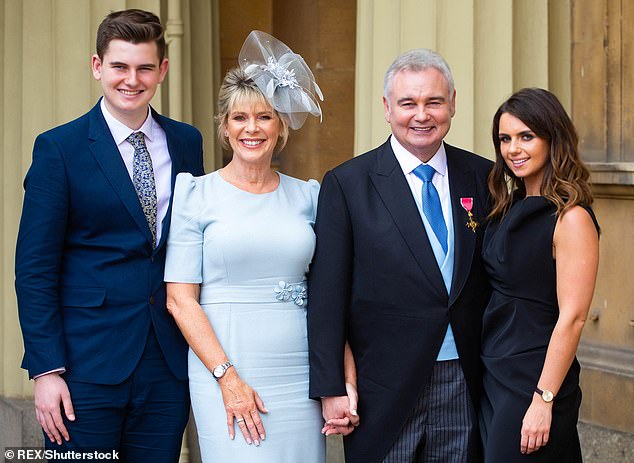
(282, 76)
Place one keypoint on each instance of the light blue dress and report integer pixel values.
(250, 253)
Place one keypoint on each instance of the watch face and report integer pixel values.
(218, 371)
(547, 396)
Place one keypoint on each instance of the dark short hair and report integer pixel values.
(134, 26)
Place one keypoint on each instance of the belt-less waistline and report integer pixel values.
(295, 293)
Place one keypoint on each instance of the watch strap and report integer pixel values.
(224, 366)
(547, 396)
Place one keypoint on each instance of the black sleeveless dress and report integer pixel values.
(517, 326)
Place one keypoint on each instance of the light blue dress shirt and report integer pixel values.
(408, 163)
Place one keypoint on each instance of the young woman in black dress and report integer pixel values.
(541, 253)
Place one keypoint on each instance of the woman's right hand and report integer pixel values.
(353, 397)
(536, 425)
(243, 406)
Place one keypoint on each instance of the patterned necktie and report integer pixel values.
(431, 204)
(143, 180)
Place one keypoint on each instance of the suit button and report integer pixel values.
(152, 300)
(152, 259)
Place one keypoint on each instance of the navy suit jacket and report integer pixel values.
(89, 284)
(374, 281)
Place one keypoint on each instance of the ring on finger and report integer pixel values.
(239, 420)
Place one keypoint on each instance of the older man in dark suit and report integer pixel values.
(109, 363)
(397, 273)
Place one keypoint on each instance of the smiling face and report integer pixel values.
(525, 154)
(253, 129)
(419, 109)
(129, 75)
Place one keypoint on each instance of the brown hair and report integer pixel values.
(236, 86)
(566, 178)
(134, 26)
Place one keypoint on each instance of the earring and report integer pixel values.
(226, 134)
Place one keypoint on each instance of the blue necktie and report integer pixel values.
(143, 180)
(431, 204)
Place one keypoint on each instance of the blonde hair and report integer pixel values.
(237, 87)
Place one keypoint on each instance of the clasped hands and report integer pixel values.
(243, 406)
(340, 412)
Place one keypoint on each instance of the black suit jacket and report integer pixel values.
(374, 280)
(88, 282)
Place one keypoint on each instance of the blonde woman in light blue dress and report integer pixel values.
(239, 247)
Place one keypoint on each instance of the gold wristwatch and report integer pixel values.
(546, 395)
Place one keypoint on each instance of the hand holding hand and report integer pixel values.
(340, 413)
(536, 425)
(243, 405)
(50, 390)
(353, 398)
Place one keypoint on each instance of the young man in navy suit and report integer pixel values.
(397, 273)
(109, 363)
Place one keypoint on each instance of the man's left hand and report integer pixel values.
(340, 412)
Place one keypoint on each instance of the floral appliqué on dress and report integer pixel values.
(298, 293)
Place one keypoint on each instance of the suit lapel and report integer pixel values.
(174, 148)
(174, 145)
(394, 190)
(105, 151)
(461, 185)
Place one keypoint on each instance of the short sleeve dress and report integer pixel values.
(250, 254)
(517, 326)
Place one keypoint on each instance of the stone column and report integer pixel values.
(493, 48)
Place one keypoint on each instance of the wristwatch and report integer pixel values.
(546, 395)
(220, 370)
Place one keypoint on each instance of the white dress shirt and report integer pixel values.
(156, 144)
(438, 161)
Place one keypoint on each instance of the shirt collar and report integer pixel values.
(409, 162)
(120, 131)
